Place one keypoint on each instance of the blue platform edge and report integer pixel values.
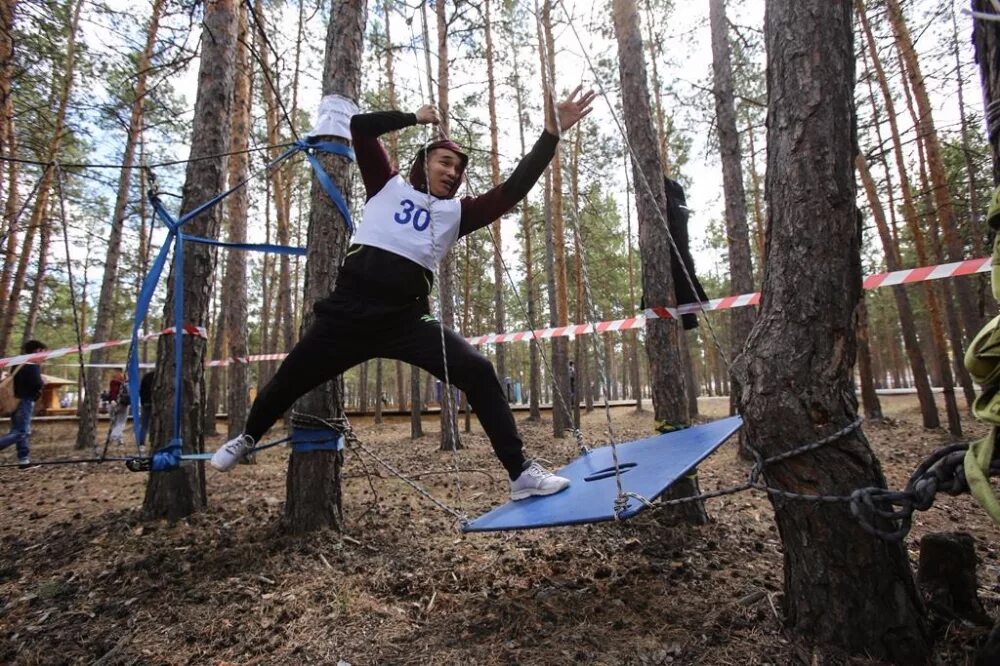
(647, 466)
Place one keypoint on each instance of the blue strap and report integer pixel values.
(187, 217)
(178, 269)
(167, 458)
(308, 441)
(308, 146)
(251, 247)
(142, 308)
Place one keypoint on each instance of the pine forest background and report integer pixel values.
(88, 86)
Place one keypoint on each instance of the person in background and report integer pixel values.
(145, 405)
(118, 407)
(28, 384)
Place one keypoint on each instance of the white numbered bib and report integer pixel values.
(402, 220)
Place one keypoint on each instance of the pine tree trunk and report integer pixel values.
(534, 373)
(910, 214)
(217, 334)
(313, 480)
(662, 335)
(655, 47)
(11, 228)
(857, 591)
(378, 390)
(579, 347)
(6, 101)
(928, 408)
(632, 336)
(41, 266)
(393, 139)
(499, 279)
(869, 398)
(416, 404)
(363, 388)
(974, 230)
(927, 133)
(758, 207)
(87, 407)
(234, 309)
(737, 233)
(562, 418)
(450, 439)
(180, 492)
(282, 331)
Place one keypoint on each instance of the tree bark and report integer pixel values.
(217, 335)
(856, 592)
(562, 417)
(632, 336)
(450, 440)
(234, 310)
(499, 279)
(927, 133)
(737, 233)
(534, 374)
(910, 214)
(869, 398)
(416, 404)
(662, 335)
(283, 323)
(8, 146)
(928, 408)
(180, 492)
(313, 481)
(947, 577)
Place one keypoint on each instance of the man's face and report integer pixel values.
(444, 170)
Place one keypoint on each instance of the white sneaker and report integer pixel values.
(231, 453)
(536, 480)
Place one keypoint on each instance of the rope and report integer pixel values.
(353, 443)
(942, 471)
(12, 227)
(155, 165)
(68, 461)
(267, 76)
(621, 500)
(446, 397)
(77, 327)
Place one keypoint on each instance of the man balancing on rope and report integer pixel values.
(379, 307)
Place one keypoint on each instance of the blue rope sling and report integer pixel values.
(170, 456)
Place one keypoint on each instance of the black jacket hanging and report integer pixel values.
(685, 290)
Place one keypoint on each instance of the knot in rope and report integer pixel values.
(870, 505)
(621, 503)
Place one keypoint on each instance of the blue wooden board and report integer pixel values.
(647, 466)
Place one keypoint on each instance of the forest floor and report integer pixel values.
(83, 579)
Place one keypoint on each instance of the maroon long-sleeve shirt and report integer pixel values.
(378, 272)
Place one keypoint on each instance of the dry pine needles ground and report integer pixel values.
(84, 580)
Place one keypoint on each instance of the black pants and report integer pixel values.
(351, 328)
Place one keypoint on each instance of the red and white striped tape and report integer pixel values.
(908, 276)
(245, 359)
(187, 329)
